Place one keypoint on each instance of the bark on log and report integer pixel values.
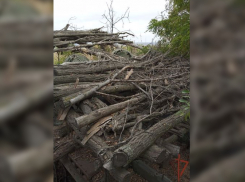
(78, 70)
(120, 174)
(63, 93)
(85, 40)
(64, 147)
(138, 144)
(63, 130)
(107, 90)
(90, 92)
(96, 115)
(156, 154)
(82, 78)
(99, 147)
(148, 173)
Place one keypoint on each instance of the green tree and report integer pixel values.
(174, 28)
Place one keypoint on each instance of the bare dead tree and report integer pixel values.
(111, 19)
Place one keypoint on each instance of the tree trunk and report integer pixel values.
(156, 154)
(138, 144)
(82, 78)
(108, 90)
(100, 113)
(148, 173)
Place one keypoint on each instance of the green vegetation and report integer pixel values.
(186, 100)
(174, 29)
(60, 58)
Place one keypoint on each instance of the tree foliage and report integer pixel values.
(174, 28)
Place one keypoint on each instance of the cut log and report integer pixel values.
(63, 130)
(93, 90)
(148, 173)
(95, 115)
(64, 147)
(99, 147)
(78, 70)
(138, 144)
(82, 78)
(72, 170)
(156, 154)
(82, 34)
(93, 44)
(109, 89)
(120, 174)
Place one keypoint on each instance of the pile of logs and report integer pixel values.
(119, 109)
(64, 39)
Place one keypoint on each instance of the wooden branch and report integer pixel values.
(93, 90)
(138, 144)
(95, 115)
(156, 154)
(86, 70)
(99, 147)
(93, 44)
(72, 93)
(82, 78)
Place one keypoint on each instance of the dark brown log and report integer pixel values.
(138, 144)
(63, 130)
(72, 170)
(100, 113)
(100, 148)
(172, 138)
(64, 147)
(148, 173)
(82, 78)
(120, 174)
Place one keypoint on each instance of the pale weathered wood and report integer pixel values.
(95, 115)
(82, 78)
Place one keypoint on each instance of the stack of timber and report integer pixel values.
(119, 109)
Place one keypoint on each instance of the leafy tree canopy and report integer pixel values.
(174, 28)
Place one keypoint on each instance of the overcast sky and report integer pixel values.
(88, 15)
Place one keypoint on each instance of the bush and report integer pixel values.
(174, 29)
